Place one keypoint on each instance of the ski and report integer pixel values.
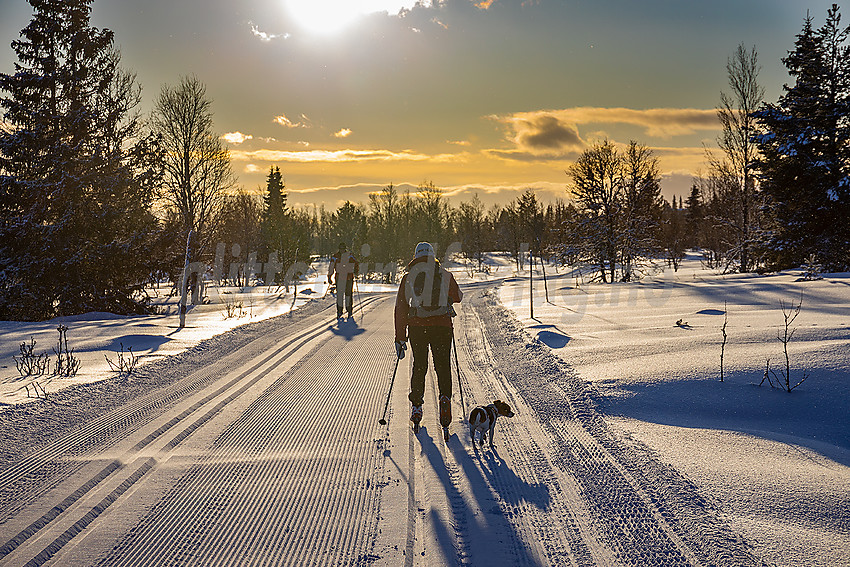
(446, 434)
(416, 427)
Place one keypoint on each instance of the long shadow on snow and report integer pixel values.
(514, 490)
(346, 329)
(751, 291)
(815, 415)
(482, 529)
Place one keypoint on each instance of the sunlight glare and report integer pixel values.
(329, 16)
(323, 16)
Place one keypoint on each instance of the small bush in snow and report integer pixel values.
(812, 269)
(124, 365)
(783, 379)
(31, 364)
(66, 363)
(233, 308)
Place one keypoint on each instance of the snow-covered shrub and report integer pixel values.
(812, 269)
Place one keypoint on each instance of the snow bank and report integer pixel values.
(777, 463)
(95, 336)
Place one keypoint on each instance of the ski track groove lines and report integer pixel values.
(272, 455)
(103, 430)
(280, 485)
(642, 512)
(75, 510)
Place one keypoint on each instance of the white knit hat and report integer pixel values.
(424, 249)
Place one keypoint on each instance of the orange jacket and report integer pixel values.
(342, 265)
(403, 319)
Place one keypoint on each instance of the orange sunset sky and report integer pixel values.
(488, 97)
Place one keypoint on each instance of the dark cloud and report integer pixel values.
(546, 132)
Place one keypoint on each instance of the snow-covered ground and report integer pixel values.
(94, 337)
(777, 463)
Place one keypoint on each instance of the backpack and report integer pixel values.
(426, 303)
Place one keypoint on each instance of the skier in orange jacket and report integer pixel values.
(423, 314)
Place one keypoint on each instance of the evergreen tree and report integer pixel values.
(694, 216)
(805, 144)
(276, 226)
(673, 234)
(77, 176)
(472, 229)
(509, 232)
(531, 221)
(275, 198)
(274, 212)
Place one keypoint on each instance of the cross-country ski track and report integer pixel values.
(271, 454)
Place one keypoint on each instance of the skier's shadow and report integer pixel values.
(508, 486)
(480, 531)
(347, 329)
(502, 475)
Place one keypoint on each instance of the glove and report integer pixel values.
(400, 347)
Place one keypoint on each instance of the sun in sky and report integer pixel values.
(330, 16)
(476, 96)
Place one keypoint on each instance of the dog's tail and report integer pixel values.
(476, 415)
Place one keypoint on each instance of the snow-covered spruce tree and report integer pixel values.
(694, 216)
(673, 234)
(532, 222)
(76, 175)
(805, 147)
(285, 231)
(509, 232)
(473, 230)
(276, 222)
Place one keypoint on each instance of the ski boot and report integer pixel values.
(416, 417)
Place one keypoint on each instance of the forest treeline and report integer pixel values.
(97, 201)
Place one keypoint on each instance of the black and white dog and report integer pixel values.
(483, 419)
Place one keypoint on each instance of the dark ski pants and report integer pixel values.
(348, 293)
(439, 339)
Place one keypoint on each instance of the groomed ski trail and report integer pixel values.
(271, 454)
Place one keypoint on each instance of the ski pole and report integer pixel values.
(359, 302)
(459, 383)
(383, 420)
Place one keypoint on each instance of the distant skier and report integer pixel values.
(345, 266)
(423, 314)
